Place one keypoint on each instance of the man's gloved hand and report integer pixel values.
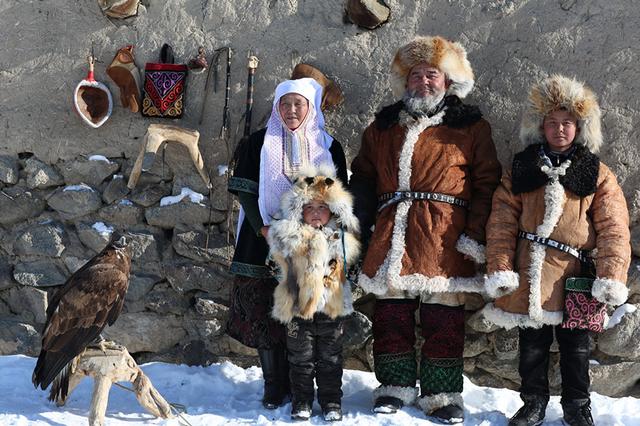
(125, 74)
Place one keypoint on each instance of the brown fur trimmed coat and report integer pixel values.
(585, 209)
(312, 260)
(425, 246)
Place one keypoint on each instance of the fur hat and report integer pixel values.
(559, 92)
(320, 184)
(448, 56)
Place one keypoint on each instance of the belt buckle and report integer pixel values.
(395, 196)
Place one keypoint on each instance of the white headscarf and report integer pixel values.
(285, 151)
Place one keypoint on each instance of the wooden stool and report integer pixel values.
(114, 364)
(156, 135)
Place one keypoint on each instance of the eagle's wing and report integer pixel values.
(90, 299)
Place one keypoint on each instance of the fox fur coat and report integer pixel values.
(312, 260)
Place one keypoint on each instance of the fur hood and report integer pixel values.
(320, 184)
(559, 92)
(448, 56)
(312, 260)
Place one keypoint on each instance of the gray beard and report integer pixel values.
(421, 105)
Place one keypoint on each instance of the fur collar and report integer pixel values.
(458, 115)
(581, 176)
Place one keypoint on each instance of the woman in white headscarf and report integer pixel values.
(265, 165)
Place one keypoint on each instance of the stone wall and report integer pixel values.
(176, 305)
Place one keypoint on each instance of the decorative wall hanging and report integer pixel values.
(164, 86)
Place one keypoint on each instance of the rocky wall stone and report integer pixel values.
(9, 169)
(17, 205)
(18, 338)
(146, 245)
(90, 172)
(150, 194)
(6, 274)
(39, 273)
(163, 299)
(115, 190)
(123, 213)
(614, 379)
(185, 277)
(27, 303)
(40, 240)
(184, 212)
(94, 235)
(146, 331)
(622, 340)
(41, 175)
(139, 287)
(193, 245)
(75, 201)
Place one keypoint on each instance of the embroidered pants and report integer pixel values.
(394, 345)
(315, 350)
(574, 361)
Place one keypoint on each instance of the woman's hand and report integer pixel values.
(264, 231)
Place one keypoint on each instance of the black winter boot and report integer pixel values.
(332, 412)
(577, 412)
(449, 414)
(301, 410)
(387, 404)
(532, 412)
(274, 394)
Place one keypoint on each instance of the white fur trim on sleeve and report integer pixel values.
(502, 282)
(608, 291)
(471, 248)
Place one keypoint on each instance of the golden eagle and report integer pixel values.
(90, 299)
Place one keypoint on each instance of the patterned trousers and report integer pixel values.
(442, 328)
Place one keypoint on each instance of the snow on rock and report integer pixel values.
(619, 313)
(104, 230)
(125, 202)
(222, 169)
(99, 158)
(195, 197)
(80, 187)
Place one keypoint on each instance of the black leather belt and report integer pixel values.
(582, 255)
(390, 198)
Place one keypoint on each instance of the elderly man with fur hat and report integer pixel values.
(424, 176)
(557, 204)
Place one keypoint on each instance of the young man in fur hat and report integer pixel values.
(425, 174)
(314, 243)
(558, 191)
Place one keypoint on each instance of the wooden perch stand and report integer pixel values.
(107, 366)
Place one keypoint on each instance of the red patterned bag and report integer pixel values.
(581, 310)
(164, 87)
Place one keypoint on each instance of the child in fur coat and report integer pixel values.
(313, 244)
(556, 205)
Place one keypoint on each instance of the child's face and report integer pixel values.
(316, 214)
(560, 129)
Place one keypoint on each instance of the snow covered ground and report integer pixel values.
(224, 394)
